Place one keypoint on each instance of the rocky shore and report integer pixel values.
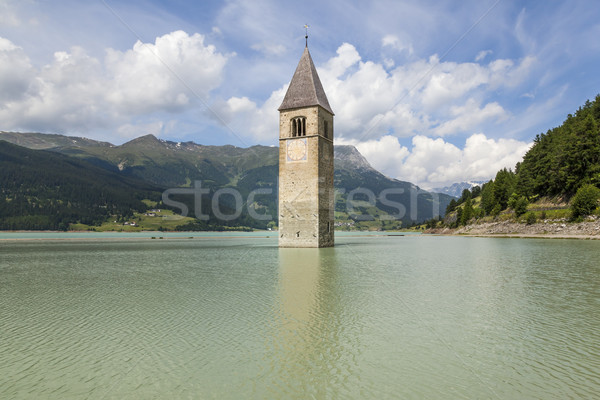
(589, 229)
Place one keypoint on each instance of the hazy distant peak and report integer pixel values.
(457, 188)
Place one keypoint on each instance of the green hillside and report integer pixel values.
(564, 158)
(46, 190)
(172, 164)
(168, 164)
(562, 167)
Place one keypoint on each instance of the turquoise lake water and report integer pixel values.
(230, 315)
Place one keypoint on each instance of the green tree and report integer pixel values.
(504, 186)
(466, 193)
(459, 212)
(585, 201)
(488, 200)
(451, 207)
(582, 152)
(565, 157)
(524, 183)
(518, 204)
(496, 210)
(531, 218)
(431, 223)
(467, 212)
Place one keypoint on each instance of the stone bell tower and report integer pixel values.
(306, 193)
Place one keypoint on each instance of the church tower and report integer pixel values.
(306, 194)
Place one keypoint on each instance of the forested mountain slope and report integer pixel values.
(562, 164)
(47, 190)
(564, 158)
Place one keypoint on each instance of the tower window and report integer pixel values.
(299, 126)
(325, 129)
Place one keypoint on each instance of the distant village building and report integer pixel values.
(306, 193)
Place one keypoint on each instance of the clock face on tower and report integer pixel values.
(296, 150)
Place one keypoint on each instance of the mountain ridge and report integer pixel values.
(345, 155)
(366, 196)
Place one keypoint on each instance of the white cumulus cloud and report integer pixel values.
(244, 118)
(164, 75)
(394, 42)
(434, 162)
(418, 97)
(16, 72)
(482, 54)
(470, 115)
(77, 92)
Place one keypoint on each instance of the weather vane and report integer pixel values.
(306, 26)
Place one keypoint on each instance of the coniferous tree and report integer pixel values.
(466, 193)
(467, 213)
(459, 212)
(488, 200)
(451, 207)
(565, 157)
(504, 186)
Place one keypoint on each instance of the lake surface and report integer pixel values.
(377, 316)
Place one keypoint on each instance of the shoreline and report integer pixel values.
(547, 229)
(6, 236)
(518, 236)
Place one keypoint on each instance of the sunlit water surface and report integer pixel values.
(374, 317)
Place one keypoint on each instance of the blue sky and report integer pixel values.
(432, 92)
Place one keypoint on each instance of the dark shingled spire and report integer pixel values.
(305, 89)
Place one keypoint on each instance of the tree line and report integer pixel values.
(563, 163)
(41, 190)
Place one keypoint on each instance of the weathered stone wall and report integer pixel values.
(306, 195)
(326, 194)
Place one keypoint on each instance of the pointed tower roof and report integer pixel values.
(305, 88)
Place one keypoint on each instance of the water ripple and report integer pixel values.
(372, 318)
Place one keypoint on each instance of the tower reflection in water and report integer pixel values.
(314, 355)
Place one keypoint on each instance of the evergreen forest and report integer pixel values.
(562, 165)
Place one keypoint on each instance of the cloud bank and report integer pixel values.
(434, 162)
(76, 92)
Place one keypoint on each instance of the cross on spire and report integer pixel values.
(306, 26)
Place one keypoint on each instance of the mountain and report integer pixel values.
(46, 190)
(39, 141)
(349, 158)
(366, 198)
(456, 189)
